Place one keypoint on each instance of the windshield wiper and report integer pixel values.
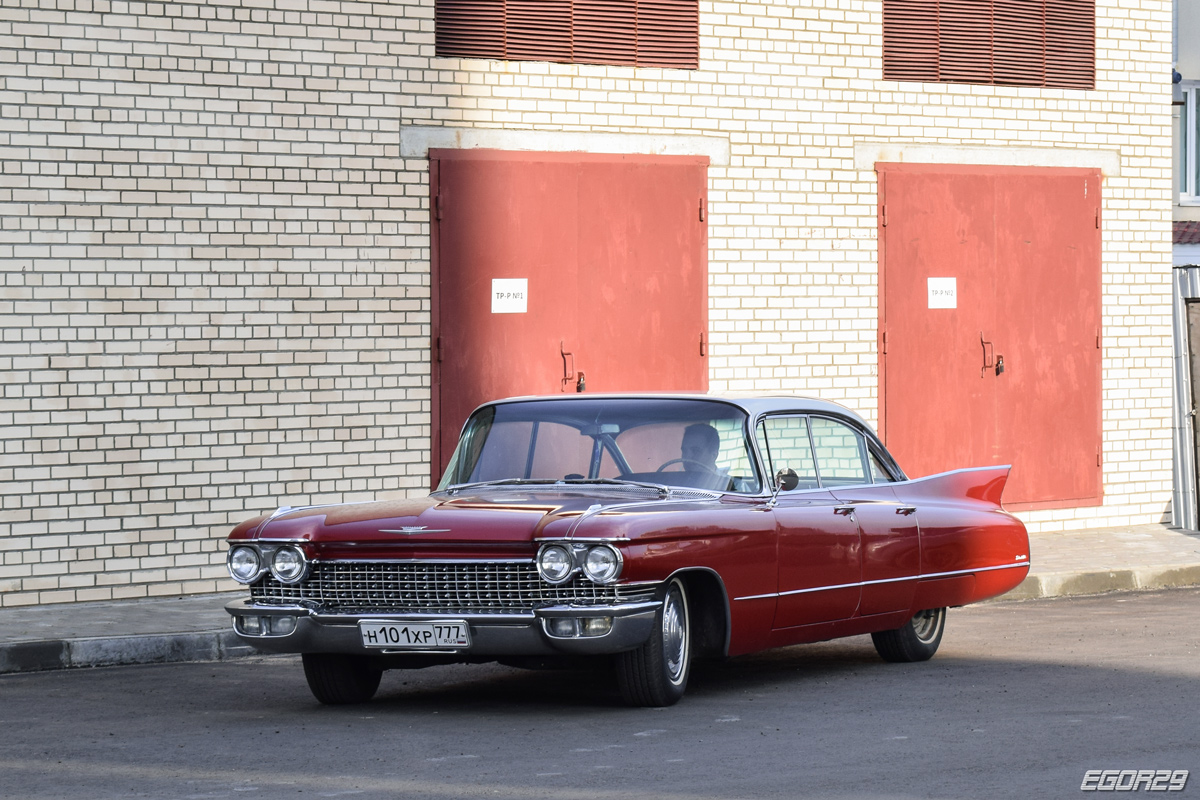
(658, 487)
(663, 491)
(502, 482)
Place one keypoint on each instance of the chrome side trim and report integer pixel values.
(596, 539)
(266, 540)
(884, 580)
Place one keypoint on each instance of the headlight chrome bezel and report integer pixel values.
(568, 561)
(259, 568)
(266, 556)
(301, 565)
(575, 556)
(611, 573)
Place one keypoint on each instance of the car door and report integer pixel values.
(819, 548)
(887, 528)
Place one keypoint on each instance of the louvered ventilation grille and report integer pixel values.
(1048, 43)
(365, 587)
(644, 33)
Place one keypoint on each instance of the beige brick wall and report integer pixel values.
(215, 252)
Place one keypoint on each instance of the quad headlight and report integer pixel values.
(557, 563)
(288, 565)
(248, 563)
(602, 563)
(245, 564)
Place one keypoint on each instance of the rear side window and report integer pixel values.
(840, 453)
(823, 452)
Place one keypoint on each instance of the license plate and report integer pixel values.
(451, 635)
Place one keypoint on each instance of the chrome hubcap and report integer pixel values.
(926, 624)
(674, 633)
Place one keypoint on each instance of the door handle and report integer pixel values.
(569, 373)
(990, 359)
(844, 510)
(906, 510)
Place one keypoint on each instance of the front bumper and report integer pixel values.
(492, 635)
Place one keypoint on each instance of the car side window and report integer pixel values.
(840, 453)
(784, 443)
(878, 473)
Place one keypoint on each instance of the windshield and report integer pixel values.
(699, 444)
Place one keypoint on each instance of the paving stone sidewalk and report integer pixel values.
(196, 628)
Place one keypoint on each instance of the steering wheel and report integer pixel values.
(689, 465)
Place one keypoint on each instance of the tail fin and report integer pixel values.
(981, 484)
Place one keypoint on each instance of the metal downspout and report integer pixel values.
(1183, 497)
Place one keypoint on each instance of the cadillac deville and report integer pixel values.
(643, 530)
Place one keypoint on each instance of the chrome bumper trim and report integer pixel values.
(491, 634)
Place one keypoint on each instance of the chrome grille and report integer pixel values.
(474, 587)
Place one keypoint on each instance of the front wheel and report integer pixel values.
(915, 640)
(656, 673)
(339, 680)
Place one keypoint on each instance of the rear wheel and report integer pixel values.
(656, 673)
(915, 640)
(337, 680)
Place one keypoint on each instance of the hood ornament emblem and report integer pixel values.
(409, 530)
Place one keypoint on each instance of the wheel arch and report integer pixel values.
(709, 609)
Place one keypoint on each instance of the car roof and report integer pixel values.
(753, 404)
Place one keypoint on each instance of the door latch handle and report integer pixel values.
(990, 359)
(844, 510)
(569, 373)
(906, 510)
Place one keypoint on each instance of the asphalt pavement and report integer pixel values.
(196, 628)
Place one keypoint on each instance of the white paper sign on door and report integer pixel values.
(510, 295)
(943, 292)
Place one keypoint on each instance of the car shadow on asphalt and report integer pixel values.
(472, 687)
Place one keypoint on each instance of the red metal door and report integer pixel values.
(612, 250)
(937, 411)
(1011, 373)
(1048, 315)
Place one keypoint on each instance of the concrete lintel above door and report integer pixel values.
(868, 154)
(417, 140)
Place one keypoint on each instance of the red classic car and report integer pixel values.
(647, 530)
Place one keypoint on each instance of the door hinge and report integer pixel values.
(883, 215)
(702, 209)
(438, 349)
(1099, 458)
(1097, 218)
(1098, 347)
(885, 343)
(437, 206)
(703, 345)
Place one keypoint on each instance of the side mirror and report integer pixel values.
(786, 480)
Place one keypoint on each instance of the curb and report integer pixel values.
(109, 651)
(1077, 584)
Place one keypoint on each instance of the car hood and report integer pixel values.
(497, 516)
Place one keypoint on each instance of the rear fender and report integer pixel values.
(982, 485)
